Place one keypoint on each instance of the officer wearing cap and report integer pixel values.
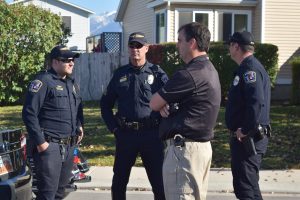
(187, 131)
(53, 116)
(247, 113)
(135, 125)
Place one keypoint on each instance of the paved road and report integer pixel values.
(132, 195)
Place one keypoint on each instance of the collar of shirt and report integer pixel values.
(144, 68)
(198, 59)
(54, 75)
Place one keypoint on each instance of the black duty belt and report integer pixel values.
(143, 124)
(71, 140)
(261, 131)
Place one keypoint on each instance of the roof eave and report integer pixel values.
(156, 3)
(67, 3)
(121, 10)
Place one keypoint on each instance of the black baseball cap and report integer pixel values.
(137, 37)
(62, 51)
(243, 38)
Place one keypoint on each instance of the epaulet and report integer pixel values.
(154, 68)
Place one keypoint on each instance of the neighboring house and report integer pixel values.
(74, 17)
(271, 21)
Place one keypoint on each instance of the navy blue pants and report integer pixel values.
(245, 169)
(128, 145)
(53, 173)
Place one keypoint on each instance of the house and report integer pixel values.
(271, 21)
(74, 17)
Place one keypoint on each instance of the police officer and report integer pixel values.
(188, 127)
(53, 116)
(247, 116)
(135, 125)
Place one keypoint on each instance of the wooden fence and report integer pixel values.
(93, 71)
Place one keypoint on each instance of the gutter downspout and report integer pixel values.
(168, 21)
(262, 28)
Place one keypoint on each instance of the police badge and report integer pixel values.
(150, 79)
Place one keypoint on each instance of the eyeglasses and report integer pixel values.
(66, 60)
(135, 45)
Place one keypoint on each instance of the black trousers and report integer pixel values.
(128, 145)
(53, 173)
(245, 169)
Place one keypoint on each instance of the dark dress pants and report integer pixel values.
(129, 144)
(53, 173)
(245, 169)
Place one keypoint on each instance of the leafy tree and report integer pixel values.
(26, 35)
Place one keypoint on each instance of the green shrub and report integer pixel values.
(296, 80)
(27, 34)
(167, 57)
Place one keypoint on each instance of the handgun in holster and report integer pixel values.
(179, 141)
(249, 146)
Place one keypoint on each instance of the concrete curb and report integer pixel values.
(220, 180)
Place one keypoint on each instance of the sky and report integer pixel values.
(97, 6)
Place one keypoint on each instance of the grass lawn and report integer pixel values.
(98, 144)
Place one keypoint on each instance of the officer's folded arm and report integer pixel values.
(157, 103)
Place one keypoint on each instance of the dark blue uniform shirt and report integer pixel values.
(132, 88)
(249, 97)
(53, 106)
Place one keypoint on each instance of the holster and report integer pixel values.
(249, 145)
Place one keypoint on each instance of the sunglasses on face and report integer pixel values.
(135, 45)
(66, 60)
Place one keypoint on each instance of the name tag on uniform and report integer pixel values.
(59, 87)
(123, 79)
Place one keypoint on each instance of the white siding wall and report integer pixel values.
(80, 25)
(282, 28)
(138, 18)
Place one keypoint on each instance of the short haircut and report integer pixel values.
(198, 31)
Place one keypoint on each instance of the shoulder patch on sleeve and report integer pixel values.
(250, 77)
(164, 78)
(35, 86)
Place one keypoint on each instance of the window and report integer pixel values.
(230, 22)
(189, 15)
(160, 27)
(201, 18)
(67, 22)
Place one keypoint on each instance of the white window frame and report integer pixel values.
(210, 13)
(233, 12)
(166, 24)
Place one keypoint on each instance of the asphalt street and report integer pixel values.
(146, 195)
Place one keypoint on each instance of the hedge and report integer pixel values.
(166, 55)
(295, 80)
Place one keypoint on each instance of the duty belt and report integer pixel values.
(71, 140)
(138, 125)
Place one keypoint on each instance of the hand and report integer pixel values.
(80, 135)
(42, 147)
(164, 112)
(239, 134)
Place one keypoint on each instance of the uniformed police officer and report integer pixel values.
(135, 125)
(53, 117)
(247, 116)
(190, 103)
